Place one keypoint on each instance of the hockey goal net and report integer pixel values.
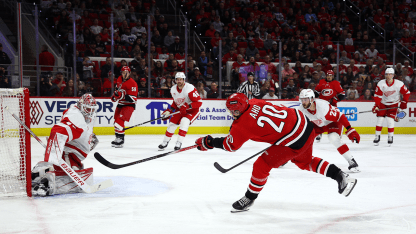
(15, 179)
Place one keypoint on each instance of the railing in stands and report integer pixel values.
(197, 40)
(353, 8)
(378, 29)
(404, 51)
(172, 3)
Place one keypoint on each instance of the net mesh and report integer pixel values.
(12, 144)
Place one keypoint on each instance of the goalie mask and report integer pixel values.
(88, 107)
(306, 94)
(237, 104)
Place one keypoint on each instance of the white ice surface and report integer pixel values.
(184, 193)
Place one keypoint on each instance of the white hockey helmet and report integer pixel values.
(389, 71)
(88, 107)
(180, 75)
(307, 93)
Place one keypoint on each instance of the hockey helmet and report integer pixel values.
(330, 72)
(125, 68)
(237, 104)
(389, 71)
(307, 94)
(180, 75)
(88, 107)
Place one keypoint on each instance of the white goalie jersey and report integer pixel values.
(79, 142)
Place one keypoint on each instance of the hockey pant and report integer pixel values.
(277, 155)
(389, 115)
(122, 115)
(184, 121)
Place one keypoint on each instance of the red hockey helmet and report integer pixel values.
(330, 72)
(126, 68)
(237, 104)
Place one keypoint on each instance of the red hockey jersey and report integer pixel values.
(329, 90)
(130, 86)
(265, 122)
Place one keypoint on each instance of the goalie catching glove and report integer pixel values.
(204, 143)
(118, 94)
(353, 135)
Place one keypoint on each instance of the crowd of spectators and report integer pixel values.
(249, 31)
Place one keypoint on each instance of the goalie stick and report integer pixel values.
(371, 111)
(106, 163)
(66, 168)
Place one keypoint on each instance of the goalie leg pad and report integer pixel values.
(63, 184)
(55, 148)
(40, 170)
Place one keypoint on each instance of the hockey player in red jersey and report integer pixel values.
(126, 95)
(288, 130)
(387, 95)
(328, 118)
(330, 90)
(187, 101)
(74, 134)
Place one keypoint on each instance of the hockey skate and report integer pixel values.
(117, 143)
(318, 138)
(241, 205)
(390, 140)
(163, 145)
(43, 188)
(376, 140)
(354, 166)
(345, 183)
(178, 146)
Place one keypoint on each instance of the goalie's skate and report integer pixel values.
(178, 146)
(318, 138)
(354, 166)
(242, 205)
(163, 145)
(376, 140)
(45, 187)
(390, 140)
(345, 183)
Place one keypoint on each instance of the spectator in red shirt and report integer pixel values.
(326, 66)
(379, 18)
(240, 34)
(323, 16)
(355, 69)
(60, 82)
(46, 59)
(210, 32)
(230, 56)
(271, 68)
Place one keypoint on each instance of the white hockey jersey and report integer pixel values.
(80, 133)
(324, 113)
(390, 94)
(188, 94)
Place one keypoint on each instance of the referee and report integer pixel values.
(250, 87)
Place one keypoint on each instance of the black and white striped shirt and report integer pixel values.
(254, 88)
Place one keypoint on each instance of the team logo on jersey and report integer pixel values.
(179, 101)
(327, 92)
(36, 112)
(389, 93)
(317, 122)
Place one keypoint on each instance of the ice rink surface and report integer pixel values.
(184, 193)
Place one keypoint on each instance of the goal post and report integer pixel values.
(15, 152)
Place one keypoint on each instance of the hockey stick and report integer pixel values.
(66, 168)
(106, 163)
(221, 169)
(371, 111)
(152, 120)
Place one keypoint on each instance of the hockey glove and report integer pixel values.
(353, 135)
(166, 114)
(183, 108)
(94, 142)
(118, 94)
(375, 109)
(403, 105)
(204, 143)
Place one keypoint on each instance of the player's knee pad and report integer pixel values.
(184, 125)
(335, 139)
(390, 122)
(172, 127)
(380, 121)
